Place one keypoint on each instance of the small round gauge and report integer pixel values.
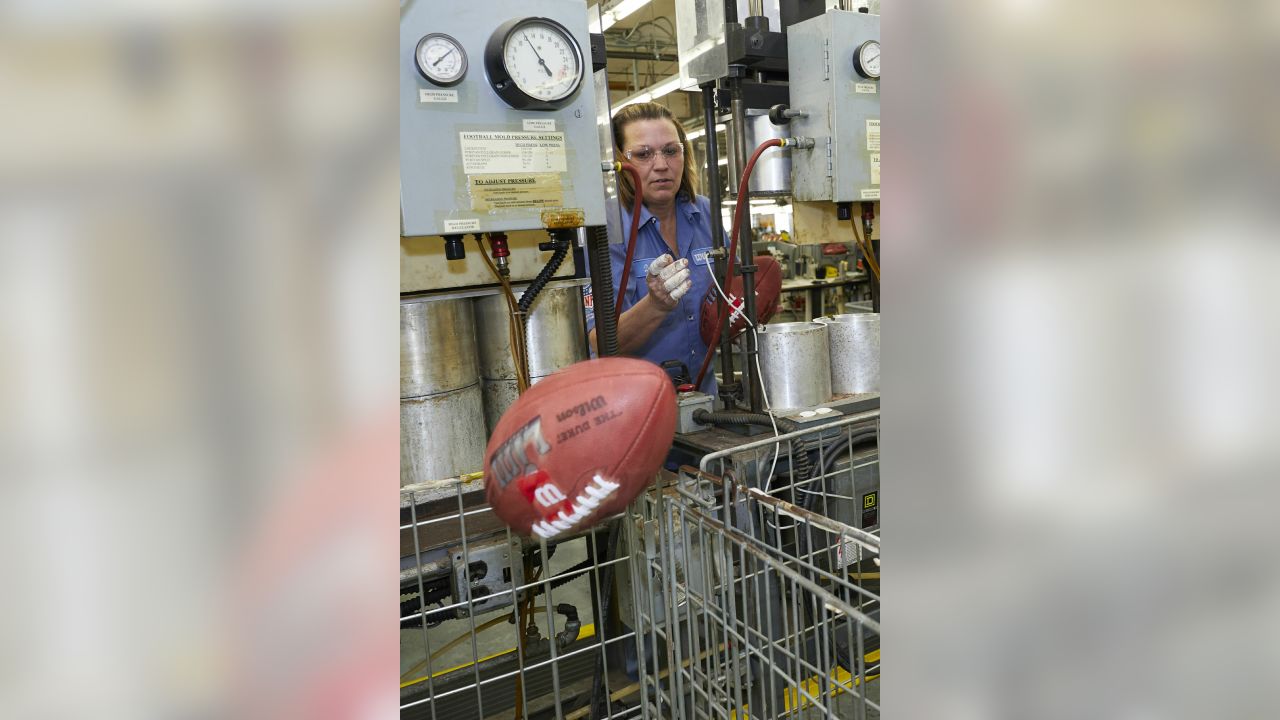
(534, 64)
(441, 60)
(866, 60)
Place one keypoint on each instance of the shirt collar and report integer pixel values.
(688, 209)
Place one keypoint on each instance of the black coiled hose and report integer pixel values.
(544, 275)
(602, 291)
(800, 467)
(725, 417)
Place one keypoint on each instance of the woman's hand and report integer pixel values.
(668, 281)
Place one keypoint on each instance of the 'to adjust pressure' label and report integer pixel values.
(497, 192)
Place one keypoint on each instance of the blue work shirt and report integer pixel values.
(679, 336)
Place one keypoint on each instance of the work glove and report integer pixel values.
(668, 281)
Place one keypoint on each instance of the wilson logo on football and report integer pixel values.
(548, 495)
(512, 460)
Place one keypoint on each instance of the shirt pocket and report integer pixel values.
(637, 286)
(640, 266)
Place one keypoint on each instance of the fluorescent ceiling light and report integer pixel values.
(642, 97)
(703, 131)
(618, 11)
(666, 86)
(653, 92)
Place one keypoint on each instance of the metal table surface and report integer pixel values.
(695, 445)
(814, 289)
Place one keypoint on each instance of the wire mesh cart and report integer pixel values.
(746, 587)
(752, 598)
(494, 625)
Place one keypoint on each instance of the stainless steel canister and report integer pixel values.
(441, 406)
(441, 436)
(437, 346)
(555, 338)
(772, 172)
(855, 352)
(795, 364)
(498, 396)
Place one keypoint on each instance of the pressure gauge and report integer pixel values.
(867, 59)
(534, 64)
(441, 60)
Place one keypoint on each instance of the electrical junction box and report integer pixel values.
(497, 116)
(687, 403)
(843, 106)
(485, 582)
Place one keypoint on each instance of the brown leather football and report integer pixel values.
(768, 289)
(580, 445)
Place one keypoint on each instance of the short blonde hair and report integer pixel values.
(689, 186)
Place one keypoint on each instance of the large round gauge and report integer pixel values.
(441, 60)
(534, 64)
(866, 60)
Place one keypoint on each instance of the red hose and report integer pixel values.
(733, 246)
(631, 243)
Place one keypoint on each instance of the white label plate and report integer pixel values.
(458, 226)
(539, 125)
(865, 88)
(437, 96)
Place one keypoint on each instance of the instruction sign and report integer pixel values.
(510, 153)
(500, 192)
(873, 134)
(875, 168)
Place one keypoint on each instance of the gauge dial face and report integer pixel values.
(441, 59)
(543, 60)
(867, 59)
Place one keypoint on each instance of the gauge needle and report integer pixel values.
(541, 62)
(442, 57)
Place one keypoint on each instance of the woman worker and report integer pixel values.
(669, 275)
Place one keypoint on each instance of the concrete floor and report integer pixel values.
(845, 706)
(501, 636)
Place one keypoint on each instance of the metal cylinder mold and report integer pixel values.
(772, 173)
(498, 396)
(437, 346)
(795, 364)
(441, 436)
(555, 338)
(855, 352)
(441, 406)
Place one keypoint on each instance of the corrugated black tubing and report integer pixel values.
(602, 291)
(544, 275)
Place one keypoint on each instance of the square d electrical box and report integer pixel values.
(834, 70)
(497, 116)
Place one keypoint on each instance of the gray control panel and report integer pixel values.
(497, 116)
(834, 70)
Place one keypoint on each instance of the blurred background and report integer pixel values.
(1078, 355)
(198, 396)
(197, 284)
